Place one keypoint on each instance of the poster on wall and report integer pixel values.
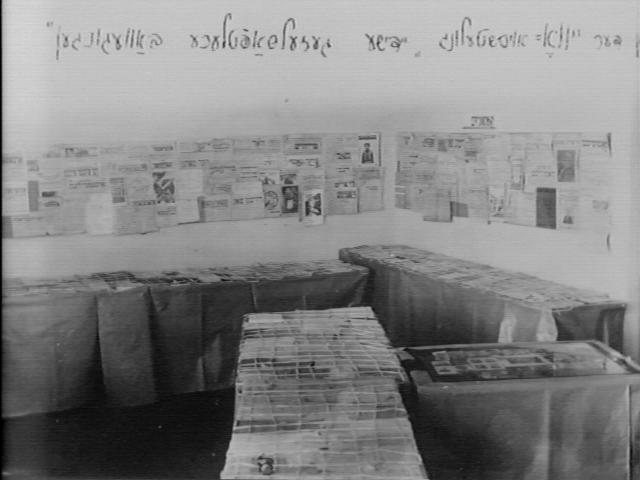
(121, 184)
(369, 149)
(313, 207)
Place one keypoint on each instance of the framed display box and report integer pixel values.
(541, 410)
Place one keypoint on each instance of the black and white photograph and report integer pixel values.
(324, 240)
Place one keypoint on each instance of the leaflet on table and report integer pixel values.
(437, 205)
(521, 208)
(14, 167)
(314, 207)
(215, 208)
(246, 206)
(15, 197)
(272, 195)
(137, 216)
(568, 213)
(99, 214)
(370, 195)
(369, 149)
(342, 201)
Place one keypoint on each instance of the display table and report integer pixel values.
(317, 396)
(129, 338)
(530, 411)
(424, 298)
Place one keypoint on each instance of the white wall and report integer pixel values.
(176, 91)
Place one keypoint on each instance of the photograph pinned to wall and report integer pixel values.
(290, 194)
(164, 188)
(272, 195)
(313, 207)
(289, 177)
(269, 177)
(369, 149)
(566, 161)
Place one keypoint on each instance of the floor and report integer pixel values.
(182, 437)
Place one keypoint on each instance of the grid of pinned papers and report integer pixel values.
(317, 396)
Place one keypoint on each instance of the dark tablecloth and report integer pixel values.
(532, 429)
(419, 307)
(131, 345)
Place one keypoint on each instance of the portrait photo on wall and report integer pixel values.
(369, 149)
(566, 162)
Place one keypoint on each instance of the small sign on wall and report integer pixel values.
(481, 122)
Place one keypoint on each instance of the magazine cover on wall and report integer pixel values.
(313, 207)
(369, 149)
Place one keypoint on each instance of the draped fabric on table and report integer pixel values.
(420, 308)
(533, 429)
(50, 358)
(133, 344)
(311, 293)
(126, 347)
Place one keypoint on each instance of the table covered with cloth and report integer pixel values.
(425, 298)
(531, 411)
(128, 338)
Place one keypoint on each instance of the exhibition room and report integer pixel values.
(324, 240)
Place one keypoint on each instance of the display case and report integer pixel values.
(543, 410)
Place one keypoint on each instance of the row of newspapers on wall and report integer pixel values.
(548, 180)
(133, 188)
